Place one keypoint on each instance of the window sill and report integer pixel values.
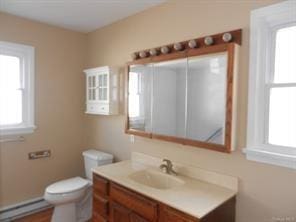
(278, 159)
(17, 130)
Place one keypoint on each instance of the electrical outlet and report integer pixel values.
(132, 138)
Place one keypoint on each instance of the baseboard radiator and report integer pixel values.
(22, 209)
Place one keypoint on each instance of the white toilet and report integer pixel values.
(72, 198)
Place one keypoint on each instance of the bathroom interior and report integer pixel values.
(148, 111)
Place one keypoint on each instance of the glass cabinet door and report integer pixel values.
(206, 108)
(169, 98)
(103, 87)
(91, 85)
(139, 97)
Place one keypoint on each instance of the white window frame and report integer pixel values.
(264, 24)
(26, 54)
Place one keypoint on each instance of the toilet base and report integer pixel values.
(84, 207)
(64, 212)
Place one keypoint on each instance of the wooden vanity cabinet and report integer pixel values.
(169, 214)
(115, 203)
(119, 213)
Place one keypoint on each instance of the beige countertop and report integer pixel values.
(195, 197)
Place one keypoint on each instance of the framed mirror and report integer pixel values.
(186, 97)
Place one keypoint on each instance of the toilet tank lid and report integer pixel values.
(97, 155)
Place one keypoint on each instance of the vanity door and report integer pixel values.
(119, 213)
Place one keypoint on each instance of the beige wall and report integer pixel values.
(265, 191)
(60, 59)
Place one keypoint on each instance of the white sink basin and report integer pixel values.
(155, 179)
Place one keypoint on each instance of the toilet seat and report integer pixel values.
(67, 186)
(66, 191)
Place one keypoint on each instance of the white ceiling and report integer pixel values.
(78, 15)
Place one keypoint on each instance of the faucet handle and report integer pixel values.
(169, 168)
(169, 163)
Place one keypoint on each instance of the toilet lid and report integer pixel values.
(67, 186)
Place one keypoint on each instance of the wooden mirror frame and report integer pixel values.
(231, 50)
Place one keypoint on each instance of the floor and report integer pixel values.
(43, 216)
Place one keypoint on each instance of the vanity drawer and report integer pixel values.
(144, 207)
(100, 185)
(169, 214)
(100, 205)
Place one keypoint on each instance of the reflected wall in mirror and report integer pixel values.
(169, 86)
(187, 99)
(206, 91)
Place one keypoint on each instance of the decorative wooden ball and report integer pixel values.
(178, 46)
(192, 44)
(227, 37)
(165, 50)
(209, 40)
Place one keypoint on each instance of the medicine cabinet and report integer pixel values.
(185, 97)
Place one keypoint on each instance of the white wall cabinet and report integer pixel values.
(102, 90)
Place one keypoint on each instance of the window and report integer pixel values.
(16, 88)
(282, 90)
(271, 134)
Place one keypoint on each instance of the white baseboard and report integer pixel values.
(22, 209)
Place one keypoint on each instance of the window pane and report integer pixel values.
(282, 116)
(10, 95)
(285, 55)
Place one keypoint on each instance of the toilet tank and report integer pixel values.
(93, 158)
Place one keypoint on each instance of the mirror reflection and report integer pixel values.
(184, 98)
(206, 102)
(139, 97)
(169, 87)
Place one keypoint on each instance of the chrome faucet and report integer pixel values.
(167, 167)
